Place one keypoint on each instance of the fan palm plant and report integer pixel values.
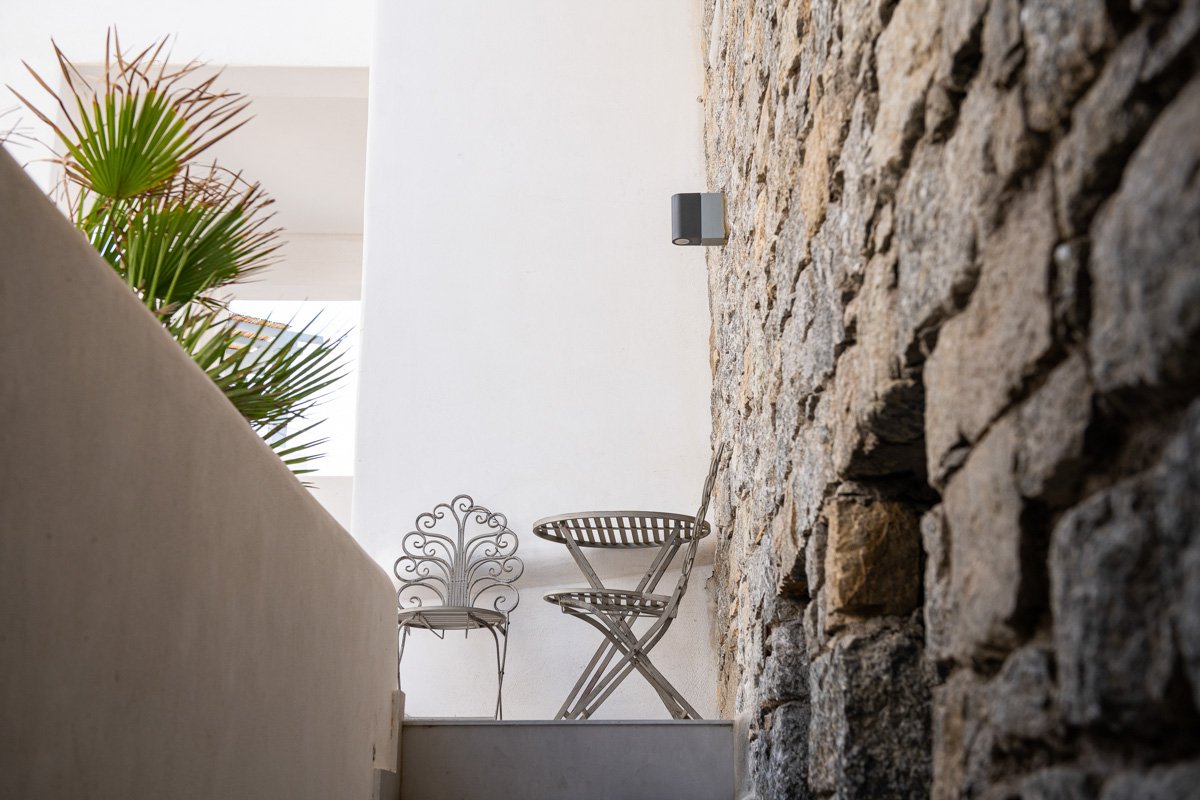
(179, 232)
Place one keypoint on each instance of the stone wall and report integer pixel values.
(954, 350)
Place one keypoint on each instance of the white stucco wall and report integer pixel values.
(530, 335)
(222, 32)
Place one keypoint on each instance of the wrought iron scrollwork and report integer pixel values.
(459, 554)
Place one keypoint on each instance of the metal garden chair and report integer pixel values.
(463, 556)
(613, 611)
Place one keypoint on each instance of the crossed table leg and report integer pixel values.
(601, 677)
(599, 680)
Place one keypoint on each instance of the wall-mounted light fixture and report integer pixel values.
(698, 218)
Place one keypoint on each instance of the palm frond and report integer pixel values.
(174, 246)
(274, 387)
(138, 129)
(176, 232)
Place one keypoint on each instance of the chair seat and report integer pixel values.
(611, 601)
(449, 618)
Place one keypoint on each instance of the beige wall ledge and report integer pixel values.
(178, 617)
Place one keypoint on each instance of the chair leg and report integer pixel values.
(634, 656)
(400, 653)
(500, 682)
(499, 632)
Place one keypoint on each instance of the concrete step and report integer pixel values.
(467, 759)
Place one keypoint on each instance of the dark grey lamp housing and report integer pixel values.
(698, 218)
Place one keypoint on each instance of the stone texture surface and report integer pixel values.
(1052, 428)
(872, 560)
(1176, 517)
(940, 607)
(1123, 571)
(1105, 567)
(993, 583)
(953, 346)
(1176, 782)
(869, 734)
(986, 354)
(1146, 297)
(1057, 783)
(1063, 42)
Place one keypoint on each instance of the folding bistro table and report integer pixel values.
(614, 611)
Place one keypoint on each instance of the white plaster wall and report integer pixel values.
(530, 335)
(313, 266)
(224, 32)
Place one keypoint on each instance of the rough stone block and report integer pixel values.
(1176, 39)
(785, 668)
(1064, 40)
(872, 559)
(985, 354)
(1052, 425)
(1003, 49)
(937, 227)
(880, 424)
(787, 550)
(1112, 633)
(1175, 782)
(1178, 521)
(820, 152)
(961, 741)
(1057, 783)
(939, 606)
(906, 54)
(959, 33)
(989, 579)
(814, 557)
(1015, 147)
(784, 771)
(870, 728)
(1145, 284)
(986, 735)
(814, 625)
(1105, 126)
(1021, 698)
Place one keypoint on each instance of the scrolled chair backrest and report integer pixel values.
(459, 554)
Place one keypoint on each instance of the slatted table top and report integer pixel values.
(618, 529)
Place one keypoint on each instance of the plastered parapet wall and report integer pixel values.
(178, 616)
(954, 350)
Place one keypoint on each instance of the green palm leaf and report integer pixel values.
(176, 233)
(139, 129)
(274, 388)
(132, 144)
(172, 248)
